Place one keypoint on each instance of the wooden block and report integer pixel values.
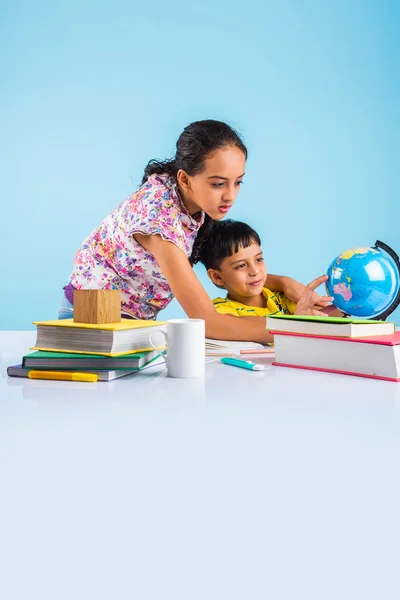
(97, 306)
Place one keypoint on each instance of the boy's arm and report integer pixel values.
(306, 306)
(294, 289)
(332, 311)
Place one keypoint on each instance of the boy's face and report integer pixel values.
(242, 274)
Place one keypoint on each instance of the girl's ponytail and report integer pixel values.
(200, 240)
(159, 167)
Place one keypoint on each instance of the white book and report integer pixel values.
(110, 339)
(377, 357)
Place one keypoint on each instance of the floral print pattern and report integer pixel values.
(111, 258)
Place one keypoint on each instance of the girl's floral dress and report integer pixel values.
(111, 258)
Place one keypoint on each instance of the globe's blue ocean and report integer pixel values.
(364, 282)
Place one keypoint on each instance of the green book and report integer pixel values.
(329, 326)
(69, 361)
(318, 319)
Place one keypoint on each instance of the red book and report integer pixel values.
(377, 357)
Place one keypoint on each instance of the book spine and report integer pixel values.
(20, 373)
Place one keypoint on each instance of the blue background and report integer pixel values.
(90, 91)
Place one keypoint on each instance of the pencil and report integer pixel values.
(258, 351)
(63, 376)
(220, 354)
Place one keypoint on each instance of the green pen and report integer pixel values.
(244, 364)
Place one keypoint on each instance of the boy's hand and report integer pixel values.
(294, 290)
(310, 303)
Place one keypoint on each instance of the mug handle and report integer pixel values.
(152, 344)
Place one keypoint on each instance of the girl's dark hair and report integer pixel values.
(224, 239)
(197, 141)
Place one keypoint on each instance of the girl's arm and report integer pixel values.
(194, 299)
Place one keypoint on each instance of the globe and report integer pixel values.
(365, 282)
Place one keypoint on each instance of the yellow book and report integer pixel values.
(111, 339)
(112, 354)
(123, 325)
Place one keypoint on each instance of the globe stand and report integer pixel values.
(396, 302)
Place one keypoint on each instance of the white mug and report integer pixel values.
(185, 339)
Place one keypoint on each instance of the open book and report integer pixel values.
(220, 347)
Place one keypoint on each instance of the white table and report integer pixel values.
(275, 484)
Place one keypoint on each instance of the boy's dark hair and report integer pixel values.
(197, 141)
(224, 239)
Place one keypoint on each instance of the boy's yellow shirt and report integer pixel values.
(276, 303)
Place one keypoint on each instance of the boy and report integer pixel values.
(234, 262)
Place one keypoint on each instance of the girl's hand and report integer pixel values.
(307, 304)
(294, 290)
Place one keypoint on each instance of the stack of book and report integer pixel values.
(108, 351)
(365, 348)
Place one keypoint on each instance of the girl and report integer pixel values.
(147, 246)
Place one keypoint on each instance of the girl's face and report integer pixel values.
(214, 190)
